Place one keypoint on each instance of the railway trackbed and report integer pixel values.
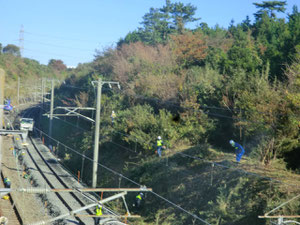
(47, 176)
(43, 167)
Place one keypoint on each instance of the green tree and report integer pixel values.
(269, 7)
(156, 23)
(271, 35)
(181, 14)
(243, 54)
(12, 49)
(159, 23)
(246, 24)
(290, 120)
(218, 42)
(294, 34)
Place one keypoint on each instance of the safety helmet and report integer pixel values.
(159, 137)
(113, 111)
(141, 194)
(231, 142)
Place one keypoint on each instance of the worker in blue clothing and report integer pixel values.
(7, 182)
(138, 200)
(8, 106)
(239, 150)
(113, 116)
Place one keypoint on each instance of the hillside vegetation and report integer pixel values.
(29, 72)
(197, 88)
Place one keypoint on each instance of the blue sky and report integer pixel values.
(71, 30)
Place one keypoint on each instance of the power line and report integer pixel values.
(128, 179)
(177, 106)
(60, 46)
(212, 162)
(66, 39)
(237, 169)
(49, 53)
(198, 158)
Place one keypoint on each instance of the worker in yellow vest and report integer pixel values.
(98, 213)
(159, 145)
(7, 182)
(138, 200)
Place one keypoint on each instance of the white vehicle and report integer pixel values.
(26, 124)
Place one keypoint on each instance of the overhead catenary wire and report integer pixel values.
(202, 108)
(240, 170)
(214, 163)
(61, 46)
(201, 159)
(55, 54)
(281, 205)
(63, 38)
(128, 179)
(237, 169)
(185, 156)
(194, 157)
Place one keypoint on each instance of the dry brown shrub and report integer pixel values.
(137, 58)
(189, 48)
(82, 99)
(164, 87)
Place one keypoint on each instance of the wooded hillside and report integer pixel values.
(197, 89)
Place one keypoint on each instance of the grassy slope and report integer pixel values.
(217, 194)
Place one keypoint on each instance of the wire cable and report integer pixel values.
(60, 46)
(55, 54)
(237, 169)
(128, 179)
(60, 38)
(212, 162)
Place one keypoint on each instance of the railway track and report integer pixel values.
(55, 177)
(47, 172)
(8, 208)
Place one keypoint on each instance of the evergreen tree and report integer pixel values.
(294, 38)
(159, 23)
(12, 49)
(269, 7)
(243, 53)
(271, 35)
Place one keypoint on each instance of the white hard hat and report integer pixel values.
(159, 137)
(141, 194)
(113, 111)
(231, 142)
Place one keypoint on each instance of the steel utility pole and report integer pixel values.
(18, 90)
(42, 103)
(2, 81)
(42, 95)
(97, 127)
(96, 137)
(51, 108)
